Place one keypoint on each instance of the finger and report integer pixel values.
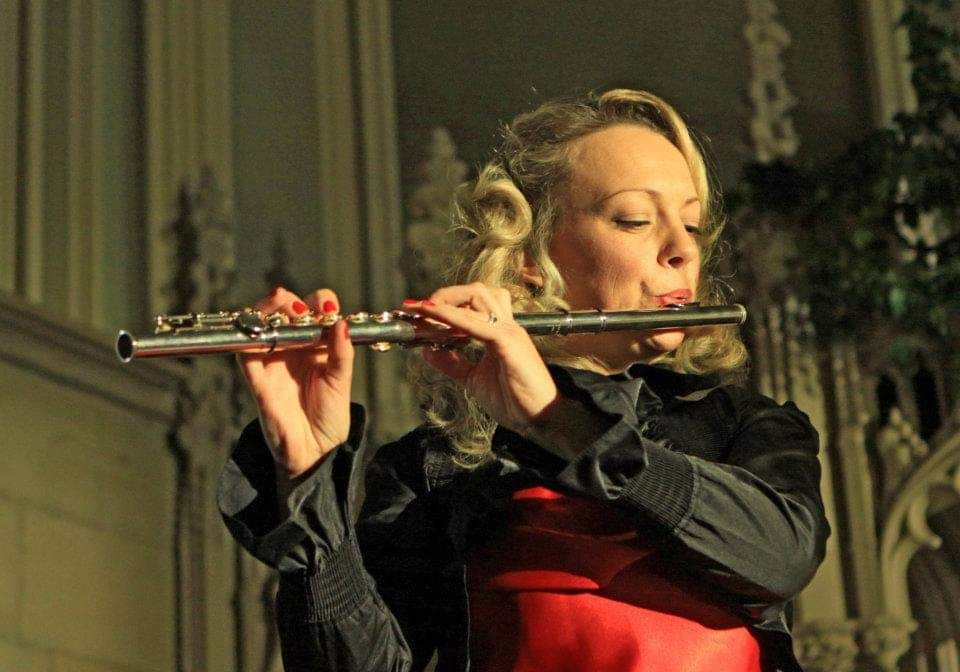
(475, 324)
(323, 301)
(505, 302)
(340, 354)
(282, 300)
(486, 305)
(271, 300)
(476, 295)
(450, 363)
(252, 367)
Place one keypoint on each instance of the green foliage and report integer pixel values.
(859, 267)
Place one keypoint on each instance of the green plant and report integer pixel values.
(877, 229)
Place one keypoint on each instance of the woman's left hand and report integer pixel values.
(510, 381)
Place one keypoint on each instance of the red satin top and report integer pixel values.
(572, 587)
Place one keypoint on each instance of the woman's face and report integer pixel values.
(628, 238)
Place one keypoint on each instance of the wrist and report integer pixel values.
(560, 427)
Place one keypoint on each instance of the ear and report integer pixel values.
(530, 272)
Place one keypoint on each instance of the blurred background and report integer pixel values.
(181, 155)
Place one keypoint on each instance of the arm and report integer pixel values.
(752, 525)
(330, 613)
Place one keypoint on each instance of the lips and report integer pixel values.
(676, 296)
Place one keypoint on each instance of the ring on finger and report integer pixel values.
(492, 318)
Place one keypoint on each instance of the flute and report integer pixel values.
(251, 331)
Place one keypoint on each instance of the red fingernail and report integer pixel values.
(410, 302)
(299, 307)
(428, 302)
(329, 307)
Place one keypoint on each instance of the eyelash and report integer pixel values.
(692, 229)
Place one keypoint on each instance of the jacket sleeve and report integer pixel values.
(752, 525)
(330, 615)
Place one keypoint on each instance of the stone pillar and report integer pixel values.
(826, 645)
(885, 639)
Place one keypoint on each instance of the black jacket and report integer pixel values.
(726, 480)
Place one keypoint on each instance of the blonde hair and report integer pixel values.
(506, 218)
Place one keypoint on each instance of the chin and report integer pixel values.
(664, 341)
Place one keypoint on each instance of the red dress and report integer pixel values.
(572, 587)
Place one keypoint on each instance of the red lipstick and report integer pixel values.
(676, 296)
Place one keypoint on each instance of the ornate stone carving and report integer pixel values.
(886, 638)
(922, 233)
(826, 646)
(900, 448)
(207, 410)
(208, 415)
(425, 238)
(771, 127)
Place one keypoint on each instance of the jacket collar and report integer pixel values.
(668, 383)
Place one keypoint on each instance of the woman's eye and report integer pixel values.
(632, 223)
(694, 230)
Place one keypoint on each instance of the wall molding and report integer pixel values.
(85, 162)
(30, 210)
(10, 72)
(65, 352)
(383, 243)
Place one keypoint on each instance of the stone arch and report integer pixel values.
(906, 529)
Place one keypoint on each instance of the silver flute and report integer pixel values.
(251, 331)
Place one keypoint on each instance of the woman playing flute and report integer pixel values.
(594, 502)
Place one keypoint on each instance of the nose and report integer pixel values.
(679, 247)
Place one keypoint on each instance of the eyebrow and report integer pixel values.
(650, 192)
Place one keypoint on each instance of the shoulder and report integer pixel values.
(764, 432)
(749, 409)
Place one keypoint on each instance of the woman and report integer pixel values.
(591, 502)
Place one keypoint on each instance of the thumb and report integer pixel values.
(340, 354)
(450, 363)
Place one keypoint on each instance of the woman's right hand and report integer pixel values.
(303, 395)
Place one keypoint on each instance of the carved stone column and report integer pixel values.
(208, 405)
(771, 127)
(901, 449)
(885, 639)
(851, 403)
(826, 646)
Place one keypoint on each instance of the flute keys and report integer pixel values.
(251, 323)
(382, 346)
(277, 320)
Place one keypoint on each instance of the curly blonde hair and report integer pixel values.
(506, 217)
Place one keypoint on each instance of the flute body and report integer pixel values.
(250, 331)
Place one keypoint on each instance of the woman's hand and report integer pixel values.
(510, 381)
(303, 395)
